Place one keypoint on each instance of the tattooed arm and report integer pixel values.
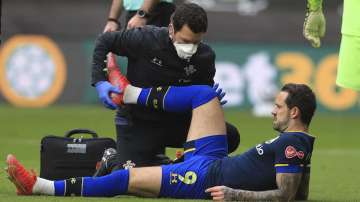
(287, 183)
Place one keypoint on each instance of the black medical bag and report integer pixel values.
(66, 157)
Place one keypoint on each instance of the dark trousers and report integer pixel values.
(141, 141)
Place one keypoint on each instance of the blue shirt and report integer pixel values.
(256, 169)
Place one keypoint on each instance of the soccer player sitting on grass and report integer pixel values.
(278, 169)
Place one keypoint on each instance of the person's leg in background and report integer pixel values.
(139, 142)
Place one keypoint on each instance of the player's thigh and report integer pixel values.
(207, 119)
(145, 181)
(186, 179)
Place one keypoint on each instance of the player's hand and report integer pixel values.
(220, 93)
(104, 88)
(314, 26)
(221, 193)
(136, 21)
(111, 26)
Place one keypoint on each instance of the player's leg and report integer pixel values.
(145, 181)
(206, 140)
(140, 181)
(207, 114)
(179, 133)
(207, 120)
(176, 99)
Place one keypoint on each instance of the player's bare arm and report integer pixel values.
(303, 191)
(288, 184)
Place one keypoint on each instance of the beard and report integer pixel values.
(280, 126)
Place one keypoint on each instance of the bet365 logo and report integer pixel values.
(189, 178)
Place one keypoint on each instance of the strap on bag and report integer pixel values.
(81, 131)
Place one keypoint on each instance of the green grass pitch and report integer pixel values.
(335, 163)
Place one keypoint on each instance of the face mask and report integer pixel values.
(185, 50)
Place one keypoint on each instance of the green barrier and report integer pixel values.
(256, 71)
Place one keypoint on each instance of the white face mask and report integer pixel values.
(185, 50)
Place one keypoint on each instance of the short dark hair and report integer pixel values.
(192, 15)
(301, 96)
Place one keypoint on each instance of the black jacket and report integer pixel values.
(153, 61)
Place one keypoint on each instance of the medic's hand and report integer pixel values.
(220, 93)
(104, 88)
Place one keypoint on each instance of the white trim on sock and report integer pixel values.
(131, 94)
(44, 187)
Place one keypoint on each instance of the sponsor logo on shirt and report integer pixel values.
(290, 152)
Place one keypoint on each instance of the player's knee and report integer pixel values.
(205, 94)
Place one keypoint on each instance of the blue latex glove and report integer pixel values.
(104, 88)
(220, 93)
